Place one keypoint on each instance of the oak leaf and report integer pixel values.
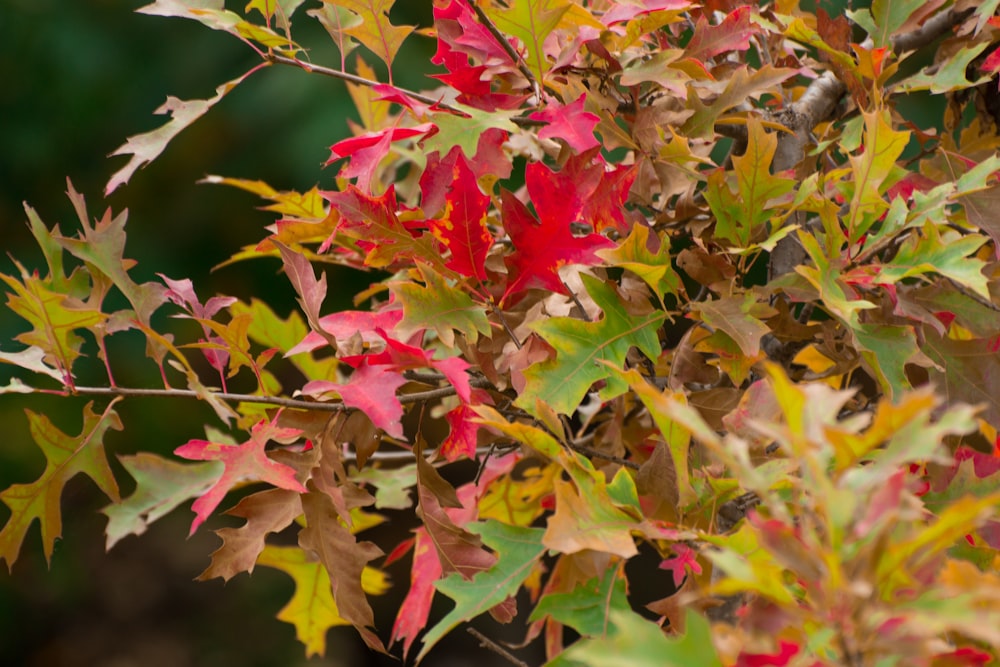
(246, 461)
(65, 457)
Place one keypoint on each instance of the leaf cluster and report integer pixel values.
(683, 279)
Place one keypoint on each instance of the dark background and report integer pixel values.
(77, 78)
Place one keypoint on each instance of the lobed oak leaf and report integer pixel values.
(246, 461)
(375, 31)
(54, 320)
(530, 21)
(415, 609)
(438, 306)
(570, 123)
(313, 609)
(401, 357)
(144, 148)
(653, 266)
(518, 550)
(345, 324)
(160, 486)
(732, 34)
(584, 351)
(461, 227)
(587, 608)
(65, 457)
(344, 559)
(265, 512)
(740, 318)
(542, 247)
(371, 389)
(742, 85)
(367, 151)
(645, 644)
(373, 222)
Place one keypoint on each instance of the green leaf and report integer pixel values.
(438, 306)
(581, 347)
(54, 319)
(928, 252)
(950, 75)
(739, 216)
(530, 21)
(161, 485)
(517, 549)
(636, 642)
(588, 607)
(882, 147)
(465, 130)
(885, 18)
(654, 268)
(887, 349)
(66, 456)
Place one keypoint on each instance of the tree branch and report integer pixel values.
(229, 397)
(362, 81)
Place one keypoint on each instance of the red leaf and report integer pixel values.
(416, 607)
(461, 440)
(570, 123)
(786, 651)
(243, 462)
(367, 150)
(347, 323)
(543, 246)
(992, 63)
(402, 357)
(686, 559)
(622, 12)
(964, 657)
(733, 34)
(462, 226)
(371, 389)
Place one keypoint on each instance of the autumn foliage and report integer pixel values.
(710, 281)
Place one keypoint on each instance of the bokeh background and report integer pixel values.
(76, 78)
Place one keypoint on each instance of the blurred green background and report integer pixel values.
(77, 78)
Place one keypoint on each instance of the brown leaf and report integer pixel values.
(344, 558)
(657, 478)
(266, 512)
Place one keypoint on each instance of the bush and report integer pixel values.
(715, 283)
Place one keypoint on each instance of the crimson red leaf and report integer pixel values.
(371, 389)
(462, 226)
(246, 461)
(347, 323)
(402, 357)
(367, 150)
(416, 607)
(540, 250)
(570, 123)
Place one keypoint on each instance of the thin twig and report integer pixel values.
(362, 81)
(280, 401)
(595, 454)
(511, 51)
(486, 642)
